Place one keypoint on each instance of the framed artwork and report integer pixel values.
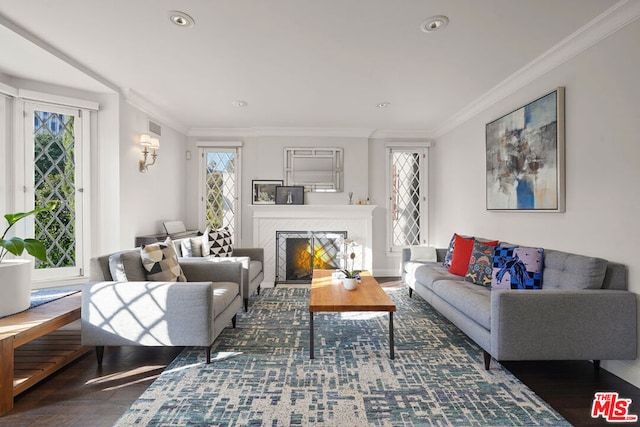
(290, 195)
(525, 157)
(264, 191)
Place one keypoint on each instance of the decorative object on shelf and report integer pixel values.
(290, 195)
(148, 141)
(350, 280)
(350, 197)
(15, 274)
(525, 157)
(264, 191)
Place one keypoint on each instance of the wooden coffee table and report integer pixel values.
(329, 295)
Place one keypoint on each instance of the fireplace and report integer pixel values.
(299, 252)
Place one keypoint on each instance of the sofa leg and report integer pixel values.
(596, 365)
(233, 320)
(99, 353)
(258, 290)
(410, 292)
(207, 351)
(487, 360)
(246, 305)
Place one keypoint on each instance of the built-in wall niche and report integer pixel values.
(316, 169)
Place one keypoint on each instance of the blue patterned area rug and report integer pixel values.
(261, 374)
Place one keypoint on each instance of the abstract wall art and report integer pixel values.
(525, 157)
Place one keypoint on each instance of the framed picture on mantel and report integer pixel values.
(264, 191)
(525, 157)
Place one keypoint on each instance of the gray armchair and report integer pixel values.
(252, 260)
(144, 313)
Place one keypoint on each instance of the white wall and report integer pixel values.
(602, 172)
(263, 158)
(147, 199)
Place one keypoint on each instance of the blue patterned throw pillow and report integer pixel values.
(517, 268)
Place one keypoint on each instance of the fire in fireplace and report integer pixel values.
(300, 252)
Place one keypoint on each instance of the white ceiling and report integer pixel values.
(298, 63)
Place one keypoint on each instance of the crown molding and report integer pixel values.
(610, 21)
(281, 131)
(400, 134)
(141, 103)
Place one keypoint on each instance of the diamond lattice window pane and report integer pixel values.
(406, 200)
(54, 182)
(220, 197)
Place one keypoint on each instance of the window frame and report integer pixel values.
(422, 148)
(203, 148)
(24, 173)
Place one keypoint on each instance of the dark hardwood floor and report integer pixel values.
(83, 394)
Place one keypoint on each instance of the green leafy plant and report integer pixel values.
(16, 245)
(350, 273)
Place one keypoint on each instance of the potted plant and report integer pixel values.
(15, 274)
(351, 276)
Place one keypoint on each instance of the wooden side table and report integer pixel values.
(26, 361)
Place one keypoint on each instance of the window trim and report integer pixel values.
(423, 149)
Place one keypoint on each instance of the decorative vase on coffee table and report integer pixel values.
(349, 284)
(15, 286)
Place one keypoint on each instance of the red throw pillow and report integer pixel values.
(462, 254)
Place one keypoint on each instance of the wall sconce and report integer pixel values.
(147, 141)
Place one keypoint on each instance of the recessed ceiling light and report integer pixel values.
(181, 19)
(383, 104)
(434, 23)
(240, 103)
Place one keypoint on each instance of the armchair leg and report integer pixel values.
(487, 360)
(208, 354)
(258, 289)
(246, 305)
(99, 353)
(233, 320)
(410, 292)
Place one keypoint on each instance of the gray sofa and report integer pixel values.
(135, 311)
(582, 312)
(252, 260)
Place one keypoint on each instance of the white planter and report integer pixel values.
(350, 284)
(15, 286)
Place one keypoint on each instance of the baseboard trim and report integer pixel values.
(386, 272)
(624, 369)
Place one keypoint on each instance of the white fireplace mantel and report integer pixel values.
(356, 220)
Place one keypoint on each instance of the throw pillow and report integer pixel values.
(480, 264)
(447, 257)
(161, 262)
(517, 268)
(462, 248)
(423, 254)
(220, 242)
(195, 246)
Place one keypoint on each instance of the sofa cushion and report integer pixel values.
(126, 266)
(220, 242)
(223, 295)
(480, 264)
(427, 273)
(570, 271)
(161, 262)
(472, 300)
(517, 268)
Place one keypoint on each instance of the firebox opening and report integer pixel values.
(299, 253)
